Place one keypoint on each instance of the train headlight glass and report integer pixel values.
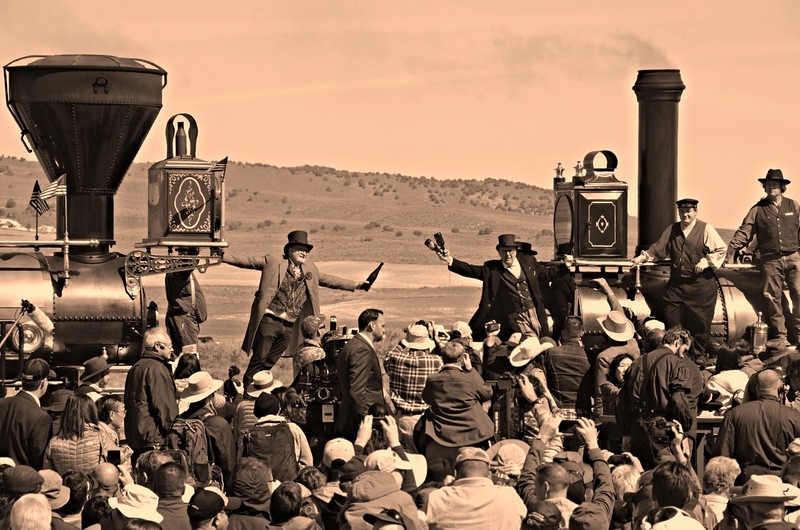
(32, 338)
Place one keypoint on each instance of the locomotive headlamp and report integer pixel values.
(32, 338)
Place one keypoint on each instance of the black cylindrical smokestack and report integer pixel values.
(658, 93)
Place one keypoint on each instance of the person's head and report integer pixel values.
(141, 524)
(310, 327)
(677, 339)
(617, 368)
(311, 477)
(266, 405)
(727, 358)
(774, 184)
(251, 483)
(105, 479)
(111, 410)
(35, 376)
(472, 462)
(673, 485)
(170, 480)
(95, 371)
(552, 481)
(687, 211)
(507, 249)
(573, 328)
(147, 465)
(653, 339)
(791, 470)
(79, 488)
(768, 383)
(762, 500)
(206, 509)
(453, 353)
(337, 452)
(79, 412)
(31, 512)
(157, 341)
(720, 474)
(188, 364)
(297, 248)
(200, 390)
(285, 502)
(625, 479)
(95, 511)
(371, 323)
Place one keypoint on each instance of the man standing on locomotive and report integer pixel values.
(288, 292)
(775, 221)
(694, 249)
(510, 294)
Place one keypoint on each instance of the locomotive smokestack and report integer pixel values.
(658, 93)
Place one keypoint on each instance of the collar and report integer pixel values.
(366, 338)
(473, 481)
(312, 342)
(514, 264)
(295, 271)
(271, 418)
(36, 399)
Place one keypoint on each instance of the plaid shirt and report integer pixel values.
(408, 371)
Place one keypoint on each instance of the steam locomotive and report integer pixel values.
(86, 116)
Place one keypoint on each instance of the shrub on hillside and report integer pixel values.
(399, 233)
(455, 230)
(338, 228)
(418, 233)
(485, 231)
(371, 225)
(11, 203)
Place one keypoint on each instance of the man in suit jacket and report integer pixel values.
(27, 427)
(288, 292)
(510, 295)
(360, 373)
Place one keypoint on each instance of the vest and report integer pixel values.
(685, 252)
(515, 291)
(777, 234)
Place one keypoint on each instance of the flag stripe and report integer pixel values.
(57, 187)
(37, 202)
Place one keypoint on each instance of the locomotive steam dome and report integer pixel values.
(85, 117)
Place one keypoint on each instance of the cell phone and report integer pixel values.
(114, 456)
(618, 460)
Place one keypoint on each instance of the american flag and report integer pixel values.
(56, 188)
(37, 202)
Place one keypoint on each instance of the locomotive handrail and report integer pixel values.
(53, 243)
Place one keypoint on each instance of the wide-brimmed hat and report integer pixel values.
(766, 488)
(386, 460)
(774, 175)
(528, 350)
(263, 381)
(297, 238)
(526, 248)
(508, 456)
(417, 338)
(58, 400)
(617, 326)
(137, 502)
(200, 386)
(506, 241)
(94, 367)
(53, 489)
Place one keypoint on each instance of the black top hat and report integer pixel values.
(774, 175)
(526, 248)
(689, 203)
(297, 238)
(507, 240)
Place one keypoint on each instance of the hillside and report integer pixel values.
(350, 216)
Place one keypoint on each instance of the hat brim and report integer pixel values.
(426, 344)
(743, 499)
(493, 450)
(252, 391)
(781, 180)
(517, 361)
(132, 512)
(104, 371)
(619, 336)
(186, 397)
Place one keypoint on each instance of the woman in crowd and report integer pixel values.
(616, 375)
(77, 446)
(728, 383)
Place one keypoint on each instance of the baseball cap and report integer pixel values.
(337, 449)
(386, 460)
(351, 469)
(37, 370)
(466, 454)
(543, 515)
(206, 503)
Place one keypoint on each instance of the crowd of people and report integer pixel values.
(511, 420)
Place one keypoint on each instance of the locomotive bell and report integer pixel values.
(184, 193)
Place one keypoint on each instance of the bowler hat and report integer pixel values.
(774, 175)
(506, 241)
(297, 238)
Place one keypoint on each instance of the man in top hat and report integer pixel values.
(287, 293)
(26, 427)
(775, 223)
(95, 377)
(694, 249)
(510, 294)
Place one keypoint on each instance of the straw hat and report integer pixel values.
(766, 488)
(263, 381)
(528, 350)
(617, 326)
(201, 385)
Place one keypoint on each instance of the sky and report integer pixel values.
(468, 89)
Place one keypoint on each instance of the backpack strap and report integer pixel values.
(649, 372)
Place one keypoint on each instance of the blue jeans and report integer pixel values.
(773, 273)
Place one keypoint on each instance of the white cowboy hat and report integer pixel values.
(263, 381)
(137, 502)
(528, 350)
(617, 326)
(417, 338)
(201, 385)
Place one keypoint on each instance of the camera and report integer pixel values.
(491, 327)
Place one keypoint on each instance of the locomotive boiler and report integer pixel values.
(86, 117)
(591, 222)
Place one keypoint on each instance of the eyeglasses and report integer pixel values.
(163, 346)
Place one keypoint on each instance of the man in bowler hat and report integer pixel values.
(694, 249)
(287, 293)
(510, 294)
(775, 222)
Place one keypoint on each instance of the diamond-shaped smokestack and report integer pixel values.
(85, 116)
